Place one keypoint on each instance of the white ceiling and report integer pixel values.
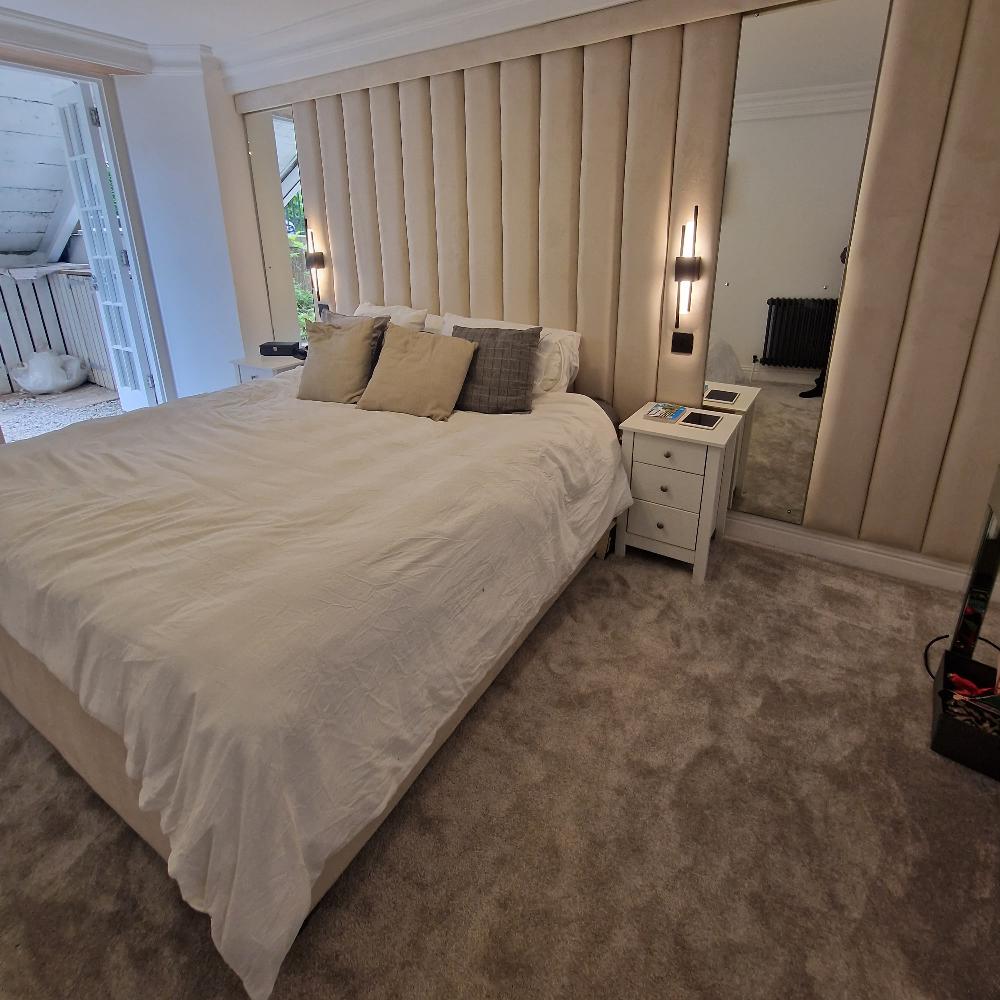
(261, 42)
(184, 22)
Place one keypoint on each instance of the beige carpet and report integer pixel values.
(781, 452)
(721, 793)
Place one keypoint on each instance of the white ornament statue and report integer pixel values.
(47, 371)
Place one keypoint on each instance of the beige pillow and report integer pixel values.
(339, 361)
(418, 373)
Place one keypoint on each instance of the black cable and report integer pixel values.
(927, 649)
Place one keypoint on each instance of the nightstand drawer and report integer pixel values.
(669, 454)
(668, 486)
(665, 524)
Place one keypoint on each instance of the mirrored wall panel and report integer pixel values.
(284, 231)
(804, 90)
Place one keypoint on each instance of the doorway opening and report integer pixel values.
(74, 333)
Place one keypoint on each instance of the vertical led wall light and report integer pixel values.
(315, 260)
(687, 270)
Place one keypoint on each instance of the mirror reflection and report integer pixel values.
(804, 90)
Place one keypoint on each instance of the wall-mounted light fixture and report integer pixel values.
(687, 267)
(315, 261)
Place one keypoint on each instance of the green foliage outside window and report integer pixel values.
(302, 279)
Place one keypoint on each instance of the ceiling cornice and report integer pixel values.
(39, 36)
(179, 60)
(375, 30)
(797, 101)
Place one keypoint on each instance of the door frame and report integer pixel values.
(150, 321)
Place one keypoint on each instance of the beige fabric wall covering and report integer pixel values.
(914, 88)
(482, 154)
(418, 192)
(313, 195)
(502, 190)
(330, 119)
(559, 186)
(704, 114)
(602, 171)
(520, 96)
(452, 211)
(973, 451)
(364, 208)
(652, 117)
(946, 295)
(388, 151)
(633, 18)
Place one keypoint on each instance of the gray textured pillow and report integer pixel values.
(327, 315)
(502, 374)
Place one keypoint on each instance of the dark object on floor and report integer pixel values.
(965, 730)
(967, 727)
(817, 390)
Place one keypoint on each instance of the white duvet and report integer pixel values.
(276, 603)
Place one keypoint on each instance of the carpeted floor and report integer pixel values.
(717, 793)
(781, 452)
(25, 415)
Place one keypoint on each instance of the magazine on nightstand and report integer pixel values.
(667, 413)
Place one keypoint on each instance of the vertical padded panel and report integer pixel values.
(654, 79)
(388, 150)
(949, 283)
(418, 192)
(605, 120)
(914, 86)
(560, 139)
(313, 195)
(973, 452)
(330, 116)
(451, 208)
(710, 50)
(364, 207)
(482, 153)
(520, 84)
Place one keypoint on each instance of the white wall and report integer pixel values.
(789, 203)
(176, 165)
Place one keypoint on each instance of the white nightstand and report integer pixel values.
(744, 404)
(680, 478)
(249, 369)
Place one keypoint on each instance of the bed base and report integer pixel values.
(97, 753)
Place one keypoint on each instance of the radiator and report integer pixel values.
(799, 332)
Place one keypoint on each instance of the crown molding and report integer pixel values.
(179, 60)
(368, 31)
(41, 39)
(800, 101)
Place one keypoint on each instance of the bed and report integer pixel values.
(248, 620)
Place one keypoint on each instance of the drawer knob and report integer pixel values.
(659, 524)
(667, 454)
(664, 489)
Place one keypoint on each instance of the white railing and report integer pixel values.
(58, 312)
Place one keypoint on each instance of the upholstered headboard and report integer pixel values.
(534, 189)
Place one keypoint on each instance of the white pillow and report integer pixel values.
(400, 315)
(434, 323)
(558, 358)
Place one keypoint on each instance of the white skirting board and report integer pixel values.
(910, 566)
